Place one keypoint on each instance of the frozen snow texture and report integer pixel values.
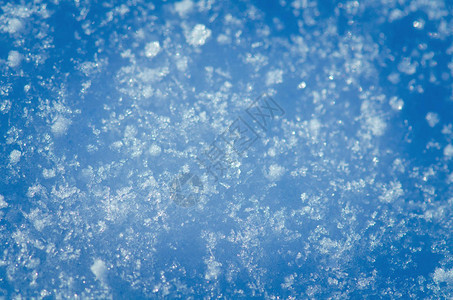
(392, 193)
(152, 49)
(60, 126)
(198, 35)
(14, 59)
(48, 173)
(275, 172)
(352, 198)
(432, 119)
(99, 270)
(213, 269)
(155, 150)
(440, 275)
(14, 25)
(14, 156)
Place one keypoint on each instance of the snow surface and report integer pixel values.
(191, 149)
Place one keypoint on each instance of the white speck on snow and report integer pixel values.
(198, 35)
(432, 119)
(14, 156)
(14, 58)
(99, 270)
(152, 49)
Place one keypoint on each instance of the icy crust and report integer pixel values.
(330, 201)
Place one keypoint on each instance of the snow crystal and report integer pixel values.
(419, 24)
(448, 151)
(48, 173)
(405, 66)
(155, 150)
(14, 25)
(60, 126)
(314, 126)
(440, 275)
(376, 125)
(392, 193)
(213, 270)
(432, 119)
(152, 49)
(396, 103)
(14, 156)
(302, 85)
(99, 270)
(14, 59)
(274, 77)
(198, 35)
(3, 203)
(184, 7)
(275, 172)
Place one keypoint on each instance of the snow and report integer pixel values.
(14, 25)
(152, 49)
(406, 66)
(14, 59)
(396, 104)
(432, 119)
(198, 35)
(48, 173)
(60, 126)
(14, 156)
(274, 77)
(302, 85)
(275, 172)
(99, 270)
(448, 151)
(348, 194)
(155, 150)
(441, 275)
(184, 7)
(3, 203)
